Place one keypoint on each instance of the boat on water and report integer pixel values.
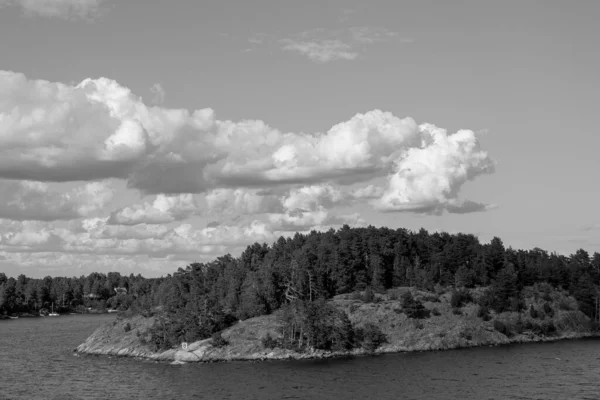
(17, 317)
(53, 314)
(110, 311)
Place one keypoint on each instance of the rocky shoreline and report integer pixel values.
(204, 352)
(125, 337)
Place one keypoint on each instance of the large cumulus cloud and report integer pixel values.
(63, 146)
(99, 129)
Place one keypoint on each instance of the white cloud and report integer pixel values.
(322, 50)
(241, 201)
(163, 210)
(99, 129)
(64, 147)
(95, 236)
(312, 198)
(23, 200)
(305, 221)
(325, 45)
(68, 9)
(428, 179)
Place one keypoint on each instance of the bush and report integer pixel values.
(438, 289)
(533, 313)
(436, 312)
(456, 311)
(268, 342)
(547, 328)
(355, 296)
(548, 310)
(370, 336)
(218, 341)
(368, 295)
(418, 324)
(413, 308)
(564, 305)
(502, 328)
(484, 313)
(460, 298)
(393, 295)
(127, 327)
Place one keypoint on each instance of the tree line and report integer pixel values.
(300, 271)
(97, 291)
(203, 298)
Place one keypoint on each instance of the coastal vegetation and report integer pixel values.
(346, 290)
(302, 281)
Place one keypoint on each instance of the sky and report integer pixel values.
(140, 136)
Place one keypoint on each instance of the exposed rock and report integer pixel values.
(440, 332)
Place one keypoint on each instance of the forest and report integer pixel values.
(297, 275)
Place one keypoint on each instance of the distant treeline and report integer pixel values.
(204, 298)
(96, 291)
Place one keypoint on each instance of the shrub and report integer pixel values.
(455, 299)
(368, 295)
(218, 341)
(393, 295)
(413, 308)
(456, 311)
(484, 313)
(438, 289)
(546, 290)
(502, 327)
(417, 324)
(355, 296)
(268, 342)
(547, 328)
(436, 312)
(459, 298)
(370, 336)
(434, 298)
(127, 327)
(563, 304)
(548, 310)
(533, 313)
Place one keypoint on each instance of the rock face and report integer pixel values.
(123, 338)
(449, 329)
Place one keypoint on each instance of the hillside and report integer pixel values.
(555, 316)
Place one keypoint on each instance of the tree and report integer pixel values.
(413, 308)
(503, 290)
(463, 277)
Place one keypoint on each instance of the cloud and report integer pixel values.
(241, 201)
(325, 45)
(23, 200)
(68, 9)
(321, 51)
(300, 220)
(428, 179)
(99, 129)
(95, 236)
(163, 210)
(312, 198)
(72, 158)
(367, 35)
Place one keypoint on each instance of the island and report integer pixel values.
(354, 292)
(440, 326)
